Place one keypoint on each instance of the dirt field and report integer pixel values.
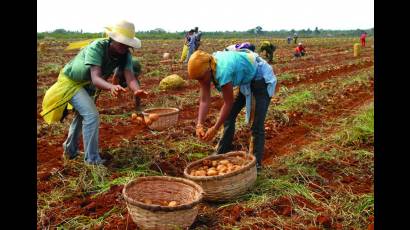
(318, 161)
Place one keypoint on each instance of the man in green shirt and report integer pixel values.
(79, 80)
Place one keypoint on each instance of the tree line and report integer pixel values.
(254, 32)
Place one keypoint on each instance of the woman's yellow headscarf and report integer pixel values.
(199, 63)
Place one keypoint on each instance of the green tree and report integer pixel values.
(60, 31)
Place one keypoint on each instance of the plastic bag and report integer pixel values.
(172, 82)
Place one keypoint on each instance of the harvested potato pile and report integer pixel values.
(151, 118)
(172, 203)
(218, 167)
(135, 118)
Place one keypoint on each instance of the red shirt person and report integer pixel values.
(363, 39)
(300, 50)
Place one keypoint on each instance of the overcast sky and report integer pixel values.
(208, 15)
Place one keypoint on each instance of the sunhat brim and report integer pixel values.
(133, 42)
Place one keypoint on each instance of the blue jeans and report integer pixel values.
(87, 120)
(260, 92)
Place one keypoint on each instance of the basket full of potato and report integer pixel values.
(160, 118)
(162, 202)
(223, 176)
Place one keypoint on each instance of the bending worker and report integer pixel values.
(227, 69)
(77, 84)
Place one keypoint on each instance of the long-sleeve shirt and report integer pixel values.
(240, 68)
(263, 71)
(193, 42)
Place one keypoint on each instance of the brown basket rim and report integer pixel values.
(218, 156)
(154, 207)
(146, 112)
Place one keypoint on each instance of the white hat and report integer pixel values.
(123, 32)
(300, 43)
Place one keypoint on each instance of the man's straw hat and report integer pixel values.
(124, 32)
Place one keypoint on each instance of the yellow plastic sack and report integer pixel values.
(172, 82)
(356, 49)
(79, 44)
(57, 97)
(184, 53)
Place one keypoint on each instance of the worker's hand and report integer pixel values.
(115, 89)
(141, 93)
(200, 132)
(210, 134)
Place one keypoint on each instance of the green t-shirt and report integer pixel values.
(78, 69)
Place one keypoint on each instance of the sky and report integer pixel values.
(208, 15)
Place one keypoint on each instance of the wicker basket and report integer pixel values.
(152, 216)
(227, 186)
(167, 117)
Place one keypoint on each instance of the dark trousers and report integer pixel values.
(260, 92)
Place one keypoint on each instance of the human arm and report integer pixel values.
(204, 99)
(99, 82)
(227, 95)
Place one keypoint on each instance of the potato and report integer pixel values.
(147, 121)
(214, 163)
(237, 167)
(200, 173)
(229, 165)
(163, 203)
(224, 162)
(211, 172)
(172, 203)
(165, 56)
(221, 168)
(153, 117)
(193, 172)
(230, 168)
(134, 116)
(140, 120)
